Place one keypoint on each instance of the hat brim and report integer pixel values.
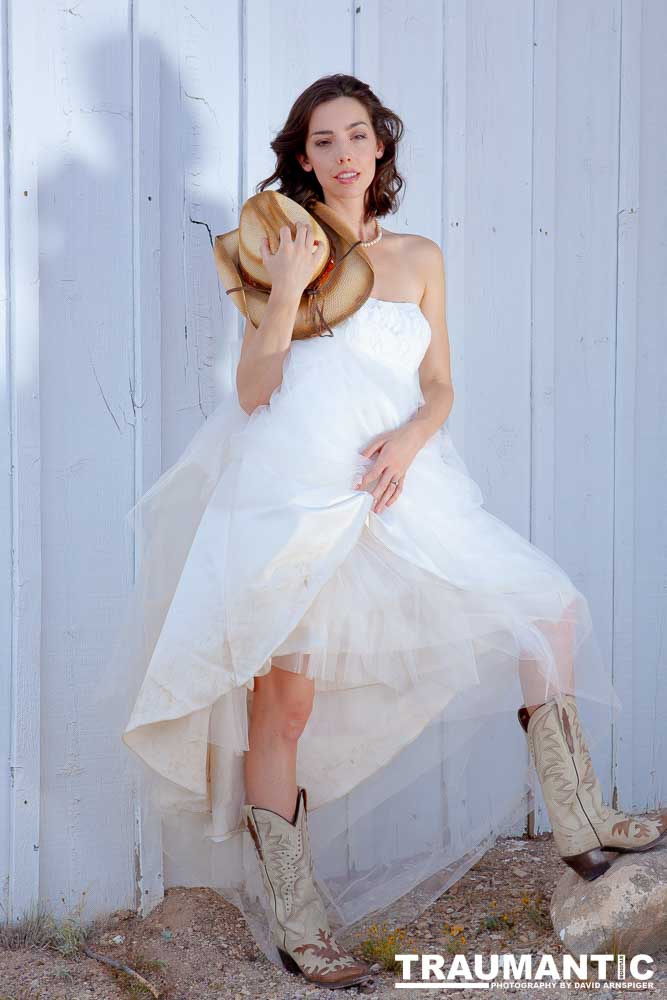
(343, 292)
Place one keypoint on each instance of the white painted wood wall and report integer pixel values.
(534, 154)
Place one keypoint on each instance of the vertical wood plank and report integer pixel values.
(87, 317)
(640, 574)
(202, 156)
(544, 275)
(544, 293)
(627, 215)
(200, 161)
(8, 657)
(266, 94)
(497, 290)
(367, 40)
(146, 385)
(454, 201)
(586, 165)
(21, 710)
(492, 197)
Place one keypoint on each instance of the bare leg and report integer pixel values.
(282, 702)
(533, 682)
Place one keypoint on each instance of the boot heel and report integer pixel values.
(289, 962)
(590, 865)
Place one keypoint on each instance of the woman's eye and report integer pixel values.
(325, 142)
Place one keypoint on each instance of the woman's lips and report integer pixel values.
(347, 180)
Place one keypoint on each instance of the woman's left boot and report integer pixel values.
(583, 826)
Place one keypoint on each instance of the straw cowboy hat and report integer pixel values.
(342, 277)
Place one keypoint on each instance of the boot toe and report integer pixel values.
(634, 834)
(354, 974)
(354, 971)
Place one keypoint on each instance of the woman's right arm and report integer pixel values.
(260, 367)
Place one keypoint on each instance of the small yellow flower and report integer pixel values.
(456, 929)
(462, 940)
(505, 917)
(493, 902)
(526, 900)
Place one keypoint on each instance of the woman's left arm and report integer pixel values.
(397, 448)
(435, 372)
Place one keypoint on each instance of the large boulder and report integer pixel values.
(623, 911)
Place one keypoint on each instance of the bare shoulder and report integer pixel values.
(422, 257)
(410, 242)
(430, 256)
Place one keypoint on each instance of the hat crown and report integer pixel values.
(263, 215)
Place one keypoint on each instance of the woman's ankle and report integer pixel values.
(275, 804)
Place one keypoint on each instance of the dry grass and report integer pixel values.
(38, 929)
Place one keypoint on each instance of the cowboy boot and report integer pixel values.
(584, 827)
(300, 927)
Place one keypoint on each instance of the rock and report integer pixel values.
(625, 909)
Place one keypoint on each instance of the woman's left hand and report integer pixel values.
(395, 452)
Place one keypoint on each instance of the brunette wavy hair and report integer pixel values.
(381, 197)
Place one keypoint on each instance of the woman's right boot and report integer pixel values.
(300, 927)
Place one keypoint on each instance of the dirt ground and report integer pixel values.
(195, 946)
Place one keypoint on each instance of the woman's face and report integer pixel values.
(341, 139)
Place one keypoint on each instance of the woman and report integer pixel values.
(325, 603)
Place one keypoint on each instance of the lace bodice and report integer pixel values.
(395, 333)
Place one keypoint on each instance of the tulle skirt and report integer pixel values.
(423, 629)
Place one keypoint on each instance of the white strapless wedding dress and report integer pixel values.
(420, 623)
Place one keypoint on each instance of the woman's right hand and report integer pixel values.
(291, 266)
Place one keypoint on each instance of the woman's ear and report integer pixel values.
(303, 160)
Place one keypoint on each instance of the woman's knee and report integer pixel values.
(288, 698)
(562, 633)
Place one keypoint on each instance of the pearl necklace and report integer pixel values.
(378, 237)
